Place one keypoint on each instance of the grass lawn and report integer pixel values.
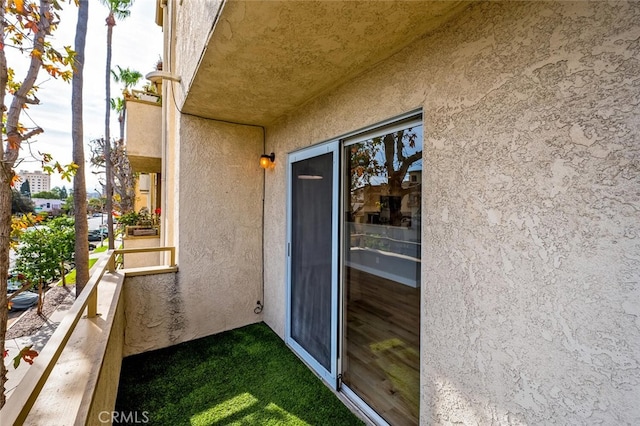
(71, 276)
(242, 377)
(101, 249)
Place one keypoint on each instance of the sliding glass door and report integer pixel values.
(353, 287)
(312, 258)
(381, 270)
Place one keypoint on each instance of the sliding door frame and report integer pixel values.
(401, 122)
(337, 147)
(328, 375)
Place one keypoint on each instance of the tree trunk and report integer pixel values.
(77, 133)
(63, 272)
(9, 154)
(5, 216)
(125, 203)
(123, 117)
(107, 137)
(40, 297)
(5, 231)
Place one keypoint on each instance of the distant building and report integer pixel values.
(38, 181)
(47, 205)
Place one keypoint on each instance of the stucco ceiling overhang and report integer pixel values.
(265, 58)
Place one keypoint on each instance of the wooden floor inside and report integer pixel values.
(382, 363)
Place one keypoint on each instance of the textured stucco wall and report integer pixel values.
(219, 249)
(265, 58)
(193, 21)
(187, 27)
(220, 256)
(138, 260)
(144, 129)
(170, 199)
(153, 312)
(531, 271)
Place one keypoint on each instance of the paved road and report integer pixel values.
(95, 222)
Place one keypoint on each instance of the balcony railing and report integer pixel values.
(20, 403)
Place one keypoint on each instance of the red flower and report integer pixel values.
(157, 211)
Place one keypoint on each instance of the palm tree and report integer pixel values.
(117, 9)
(77, 134)
(128, 78)
(123, 179)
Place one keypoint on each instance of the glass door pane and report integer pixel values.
(382, 243)
(312, 323)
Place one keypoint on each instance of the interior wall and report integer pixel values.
(531, 278)
(220, 247)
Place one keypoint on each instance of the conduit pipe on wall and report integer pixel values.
(260, 303)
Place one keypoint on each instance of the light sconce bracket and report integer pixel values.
(266, 160)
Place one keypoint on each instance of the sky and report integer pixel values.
(137, 44)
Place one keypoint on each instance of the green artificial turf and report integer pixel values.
(242, 377)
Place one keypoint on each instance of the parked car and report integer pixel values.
(23, 301)
(97, 235)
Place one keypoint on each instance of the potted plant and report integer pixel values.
(149, 93)
(142, 223)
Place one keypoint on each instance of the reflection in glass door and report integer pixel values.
(313, 230)
(381, 275)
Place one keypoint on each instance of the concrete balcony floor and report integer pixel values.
(244, 376)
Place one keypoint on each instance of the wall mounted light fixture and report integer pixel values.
(267, 160)
(156, 76)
